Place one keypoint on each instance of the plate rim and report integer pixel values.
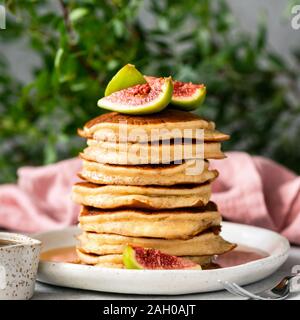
(268, 259)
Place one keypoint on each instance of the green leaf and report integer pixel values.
(118, 28)
(77, 14)
(50, 154)
(58, 58)
(261, 37)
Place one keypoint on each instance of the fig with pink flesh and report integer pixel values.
(186, 95)
(152, 259)
(140, 99)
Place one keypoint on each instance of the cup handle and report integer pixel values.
(3, 282)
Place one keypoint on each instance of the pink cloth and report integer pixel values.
(250, 190)
(42, 198)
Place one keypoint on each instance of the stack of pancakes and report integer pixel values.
(133, 196)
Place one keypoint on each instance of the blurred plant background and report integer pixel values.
(253, 93)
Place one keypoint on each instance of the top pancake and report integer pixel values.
(167, 124)
(165, 116)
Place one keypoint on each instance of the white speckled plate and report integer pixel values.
(165, 281)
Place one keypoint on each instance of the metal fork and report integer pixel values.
(278, 292)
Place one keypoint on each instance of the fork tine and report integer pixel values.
(227, 285)
(247, 293)
(229, 289)
(236, 290)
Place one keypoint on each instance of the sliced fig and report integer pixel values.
(186, 95)
(152, 259)
(126, 77)
(140, 99)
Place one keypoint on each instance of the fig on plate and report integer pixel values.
(186, 95)
(126, 77)
(152, 259)
(140, 99)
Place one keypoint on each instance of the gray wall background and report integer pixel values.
(282, 38)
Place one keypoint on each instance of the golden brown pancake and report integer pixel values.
(190, 171)
(137, 153)
(169, 124)
(169, 224)
(152, 197)
(161, 118)
(104, 261)
(205, 244)
(131, 136)
(116, 260)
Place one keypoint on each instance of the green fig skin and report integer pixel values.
(129, 259)
(126, 77)
(157, 105)
(192, 103)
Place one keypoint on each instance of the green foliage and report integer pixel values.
(252, 93)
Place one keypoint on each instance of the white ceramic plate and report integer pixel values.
(165, 282)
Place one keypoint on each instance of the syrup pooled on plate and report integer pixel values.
(240, 255)
(64, 254)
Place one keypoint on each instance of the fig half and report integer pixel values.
(152, 259)
(140, 99)
(186, 95)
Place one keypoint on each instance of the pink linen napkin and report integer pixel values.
(41, 200)
(250, 190)
(258, 191)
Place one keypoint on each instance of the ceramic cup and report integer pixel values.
(19, 259)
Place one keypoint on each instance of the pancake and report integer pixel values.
(205, 244)
(116, 260)
(190, 171)
(169, 224)
(168, 124)
(127, 134)
(104, 261)
(138, 153)
(152, 197)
